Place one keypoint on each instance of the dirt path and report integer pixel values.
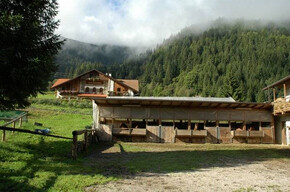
(272, 175)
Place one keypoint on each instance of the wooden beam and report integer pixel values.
(285, 90)
(31, 132)
(269, 99)
(274, 94)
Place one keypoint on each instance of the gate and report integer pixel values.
(160, 134)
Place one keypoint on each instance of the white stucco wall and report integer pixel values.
(288, 132)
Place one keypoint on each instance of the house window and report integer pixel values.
(94, 90)
(101, 90)
(87, 90)
(119, 89)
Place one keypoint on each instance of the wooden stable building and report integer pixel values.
(281, 109)
(182, 119)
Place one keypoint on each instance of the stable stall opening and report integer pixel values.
(197, 125)
(139, 123)
(167, 123)
(252, 126)
(152, 122)
(237, 125)
(121, 123)
(224, 124)
(210, 123)
(182, 124)
(266, 124)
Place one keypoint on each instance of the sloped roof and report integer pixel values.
(199, 99)
(134, 83)
(117, 81)
(59, 82)
(278, 83)
(190, 102)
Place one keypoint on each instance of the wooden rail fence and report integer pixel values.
(13, 122)
(32, 132)
(89, 135)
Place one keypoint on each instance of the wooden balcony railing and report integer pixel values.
(281, 106)
(191, 133)
(129, 131)
(247, 134)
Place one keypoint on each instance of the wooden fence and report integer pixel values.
(89, 137)
(13, 122)
(31, 132)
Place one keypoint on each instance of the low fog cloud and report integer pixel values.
(146, 23)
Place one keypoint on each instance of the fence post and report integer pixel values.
(3, 135)
(85, 140)
(13, 127)
(20, 122)
(74, 145)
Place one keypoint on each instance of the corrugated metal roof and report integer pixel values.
(191, 102)
(208, 99)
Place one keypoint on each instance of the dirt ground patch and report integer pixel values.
(244, 174)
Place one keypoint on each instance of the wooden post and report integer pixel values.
(189, 124)
(13, 126)
(274, 94)
(174, 124)
(113, 120)
(285, 90)
(85, 140)
(273, 129)
(3, 135)
(217, 131)
(75, 146)
(20, 122)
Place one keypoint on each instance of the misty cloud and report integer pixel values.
(148, 22)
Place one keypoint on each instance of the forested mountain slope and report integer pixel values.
(74, 53)
(229, 60)
(235, 60)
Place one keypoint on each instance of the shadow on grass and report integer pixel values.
(122, 162)
(117, 161)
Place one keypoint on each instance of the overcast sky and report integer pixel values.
(148, 22)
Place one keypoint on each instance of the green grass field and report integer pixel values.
(38, 163)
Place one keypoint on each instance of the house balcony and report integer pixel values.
(281, 106)
(68, 92)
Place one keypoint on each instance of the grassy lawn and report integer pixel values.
(37, 163)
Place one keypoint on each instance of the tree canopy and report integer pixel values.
(28, 47)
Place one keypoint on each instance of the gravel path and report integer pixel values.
(271, 175)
